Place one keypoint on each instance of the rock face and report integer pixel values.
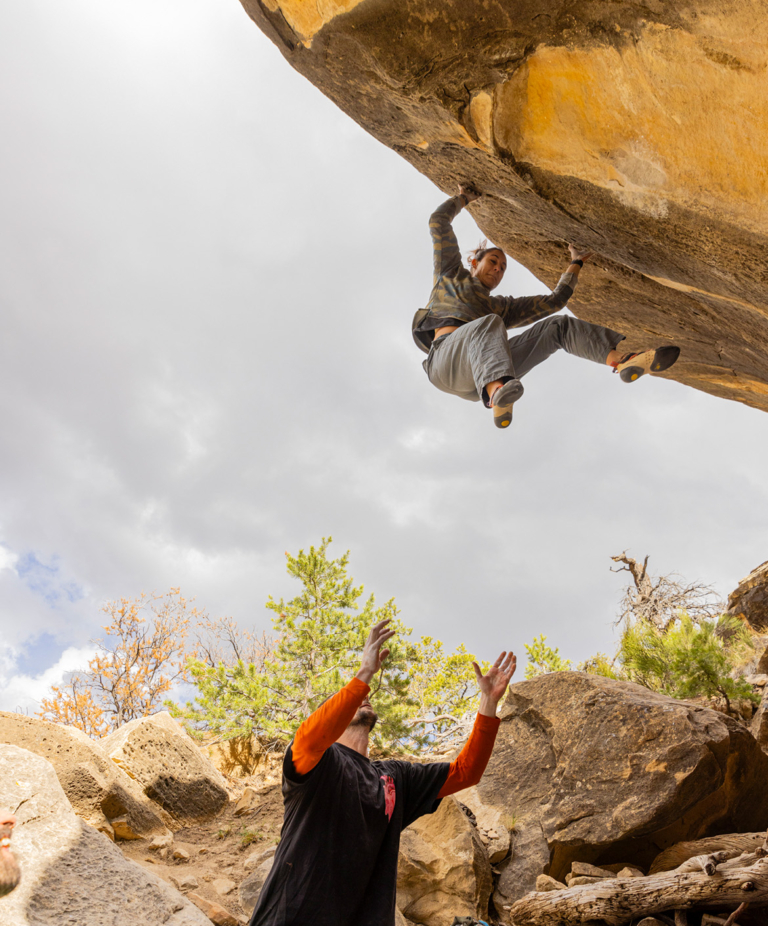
(602, 771)
(759, 726)
(749, 601)
(73, 875)
(442, 867)
(170, 768)
(492, 825)
(629, 127)
(101, 793)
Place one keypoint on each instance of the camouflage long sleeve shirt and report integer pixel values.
(457, 297)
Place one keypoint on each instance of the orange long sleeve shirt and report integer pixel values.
(322, 728)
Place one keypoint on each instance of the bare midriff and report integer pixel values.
(439, 332)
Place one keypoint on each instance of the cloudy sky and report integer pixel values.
(208, 277)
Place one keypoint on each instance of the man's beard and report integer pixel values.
(365, 717)
(9, 870)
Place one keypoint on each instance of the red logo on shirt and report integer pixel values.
(389, 795)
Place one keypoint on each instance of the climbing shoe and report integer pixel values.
(503, 400)
(633, 366)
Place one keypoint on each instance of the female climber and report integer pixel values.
(464, 328)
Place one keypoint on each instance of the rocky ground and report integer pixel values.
(213, 859)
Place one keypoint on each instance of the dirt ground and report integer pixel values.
(217, 850)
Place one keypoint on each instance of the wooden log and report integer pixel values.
(622, 899)
(709, 862)
(674, 856)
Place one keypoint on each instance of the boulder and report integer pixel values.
(248, 801)
(442, 867)
(72, 875)
(610, 124)
(256, 858)
(545, 883)
(172, 771)
(603, 771)
(214, 912)
(223, 886)
(250, 887)
(749, 601)
(100, 792)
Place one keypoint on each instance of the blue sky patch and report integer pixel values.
(46, 580)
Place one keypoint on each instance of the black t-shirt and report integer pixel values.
(336, 864)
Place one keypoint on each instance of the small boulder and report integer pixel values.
(545, 883)
(630, 872)
(223, 886)
(256, 858)
(161, 841)
(616, 867)
(248, 801)
(72, 874)
(180, 854)
(98, 790)
(442, 866)
(170, 768)
(584, 869)
(215, 912)
(122, 827)
(185, 882)
(250, 887)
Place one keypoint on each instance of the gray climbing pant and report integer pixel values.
(466, 360)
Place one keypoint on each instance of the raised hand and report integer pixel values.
(373, 654)
(469, 191)
(580, 253)
(494, 683)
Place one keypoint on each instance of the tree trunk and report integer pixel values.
(619, 900)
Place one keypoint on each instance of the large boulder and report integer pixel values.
(596, 770)
(72, 875)
(628, 127)
(443, 868)
(749, 602)
(170, 768)
(100, 792)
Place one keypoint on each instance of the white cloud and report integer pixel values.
(8, 558)
(206, 360)
(23, 693)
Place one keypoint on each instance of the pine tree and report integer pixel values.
(542, 659)
(689, 659)
(422, 695)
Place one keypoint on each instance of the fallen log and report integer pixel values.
(674, 856)
(621, 900)
(708, 863)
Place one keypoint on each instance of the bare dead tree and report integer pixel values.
(661, 599)
(223, 640)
